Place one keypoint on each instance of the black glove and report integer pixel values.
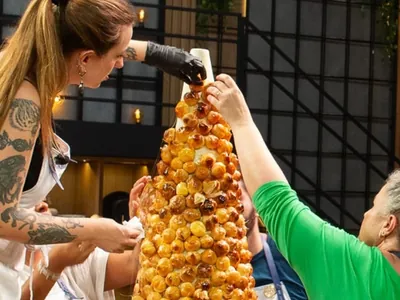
(176, 62)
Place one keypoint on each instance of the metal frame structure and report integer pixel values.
(300, 109)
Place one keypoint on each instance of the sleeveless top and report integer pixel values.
(40, 181)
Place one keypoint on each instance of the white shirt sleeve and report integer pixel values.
(87, 279)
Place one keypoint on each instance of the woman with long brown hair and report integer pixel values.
(56, 44)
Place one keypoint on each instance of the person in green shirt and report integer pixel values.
(331, 263)
(257, 242)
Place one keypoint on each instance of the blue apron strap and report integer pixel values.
(272, 268)
(66, 291)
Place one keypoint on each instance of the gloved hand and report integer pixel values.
(176, 62)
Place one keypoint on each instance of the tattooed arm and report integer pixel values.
(17, 135)
(136, 50)
(40, 230)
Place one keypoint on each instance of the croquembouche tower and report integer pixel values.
(195, 245)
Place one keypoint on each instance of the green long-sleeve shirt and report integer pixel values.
(331, 263)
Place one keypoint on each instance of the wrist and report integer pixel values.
(242, 124)
(47, 272)
(151, 57)
(92, 229)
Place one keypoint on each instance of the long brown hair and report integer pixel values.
(45, 36)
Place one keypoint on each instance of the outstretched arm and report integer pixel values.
(171, 60)
(317, 251)
(18, 134)
(60, 257)
(257, 164)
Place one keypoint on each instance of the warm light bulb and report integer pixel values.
(141, 16)
(138, 115)
(57, 99)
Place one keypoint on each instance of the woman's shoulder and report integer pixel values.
(28, 91)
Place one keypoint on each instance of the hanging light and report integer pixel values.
(138, 116)
(142, 15)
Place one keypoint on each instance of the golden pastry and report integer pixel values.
(195, 245)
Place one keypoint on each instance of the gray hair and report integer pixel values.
(393, 192)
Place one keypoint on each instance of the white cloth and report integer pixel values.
(135, 223)
(12, 254)
(84, 281)
(10, 284)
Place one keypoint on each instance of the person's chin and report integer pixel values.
(95, 85)
(103, 80)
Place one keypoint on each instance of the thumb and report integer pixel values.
(136, 191)
(186, 78)
(133, 209)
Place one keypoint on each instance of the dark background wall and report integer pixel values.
(338, 44)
